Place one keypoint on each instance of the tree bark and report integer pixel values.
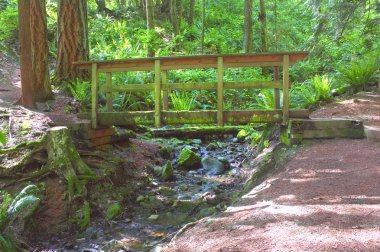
(203, 25)
(34, 52)
(150, 27)
(263, 21)
(191, 13)
(72, 39)
(101, 6)
(248, 46)
(175, 13)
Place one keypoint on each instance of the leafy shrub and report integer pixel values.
(81, 91)
(265, 100)
(9, 23)
(310, 92)
(359, 73)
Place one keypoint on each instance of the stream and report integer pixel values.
(163, 207)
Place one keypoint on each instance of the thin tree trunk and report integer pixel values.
(203, 25)
(72, 39)
(101, 6)
(34, 52)
(150, 27)
(263, 20)
(191, 13)
(175, 13)
(248, 46)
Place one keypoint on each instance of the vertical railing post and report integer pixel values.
(94, 95)
(276, 77)
(158, 104)
(109, 93)
(286, 85)
(220, 73)
(165, 93)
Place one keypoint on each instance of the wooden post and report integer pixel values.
(165, 92)
(286, 85)
(276, 90)
(109, 94)
(94, 95)
(157, 82)
(220, 73)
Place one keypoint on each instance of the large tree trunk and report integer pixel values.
(72, 39)
(248, 46)
(263, 21)
(150, 27)
(34, 52)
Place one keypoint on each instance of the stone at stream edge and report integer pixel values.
(188, 160)
(167, 172)
(213, 166)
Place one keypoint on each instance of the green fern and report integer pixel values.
(182, 101)
(359, 73)
(81, 91)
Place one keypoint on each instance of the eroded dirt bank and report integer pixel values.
(325, 199)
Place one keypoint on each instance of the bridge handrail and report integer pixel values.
(160, 66)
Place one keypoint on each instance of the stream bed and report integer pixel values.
(162, 207)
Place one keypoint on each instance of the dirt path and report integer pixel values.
(325, 199)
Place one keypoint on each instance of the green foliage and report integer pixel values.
(359, 73)
(182, 100)
(82, 215)
(310, 92)
(265, 100)
(3, 139)
(113, 211)
(81, 91)
(9, 23)
(6, 200)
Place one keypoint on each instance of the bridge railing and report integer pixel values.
(161, 87)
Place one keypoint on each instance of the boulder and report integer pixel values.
(212, 166)
(188, 160)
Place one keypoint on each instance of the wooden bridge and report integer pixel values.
(161, 88)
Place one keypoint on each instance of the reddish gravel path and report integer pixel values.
(327, 198)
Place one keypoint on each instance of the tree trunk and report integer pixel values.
(101, 6)
(191, 13)
(263, 21)
(150, 27)
(72, 39)
(203, 25)
(34, 52)
(248, 46)
(175, 13)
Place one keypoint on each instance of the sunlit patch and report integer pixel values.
(287, 197)
(330, 171)
(301, 180)
(289, 210)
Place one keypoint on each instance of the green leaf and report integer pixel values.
(2, 138)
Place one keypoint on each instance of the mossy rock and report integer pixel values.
(212, 146)
(166, 152)
(166, 191)
(242, 135)
(167, 172)
(188, 160)
(113, 211)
